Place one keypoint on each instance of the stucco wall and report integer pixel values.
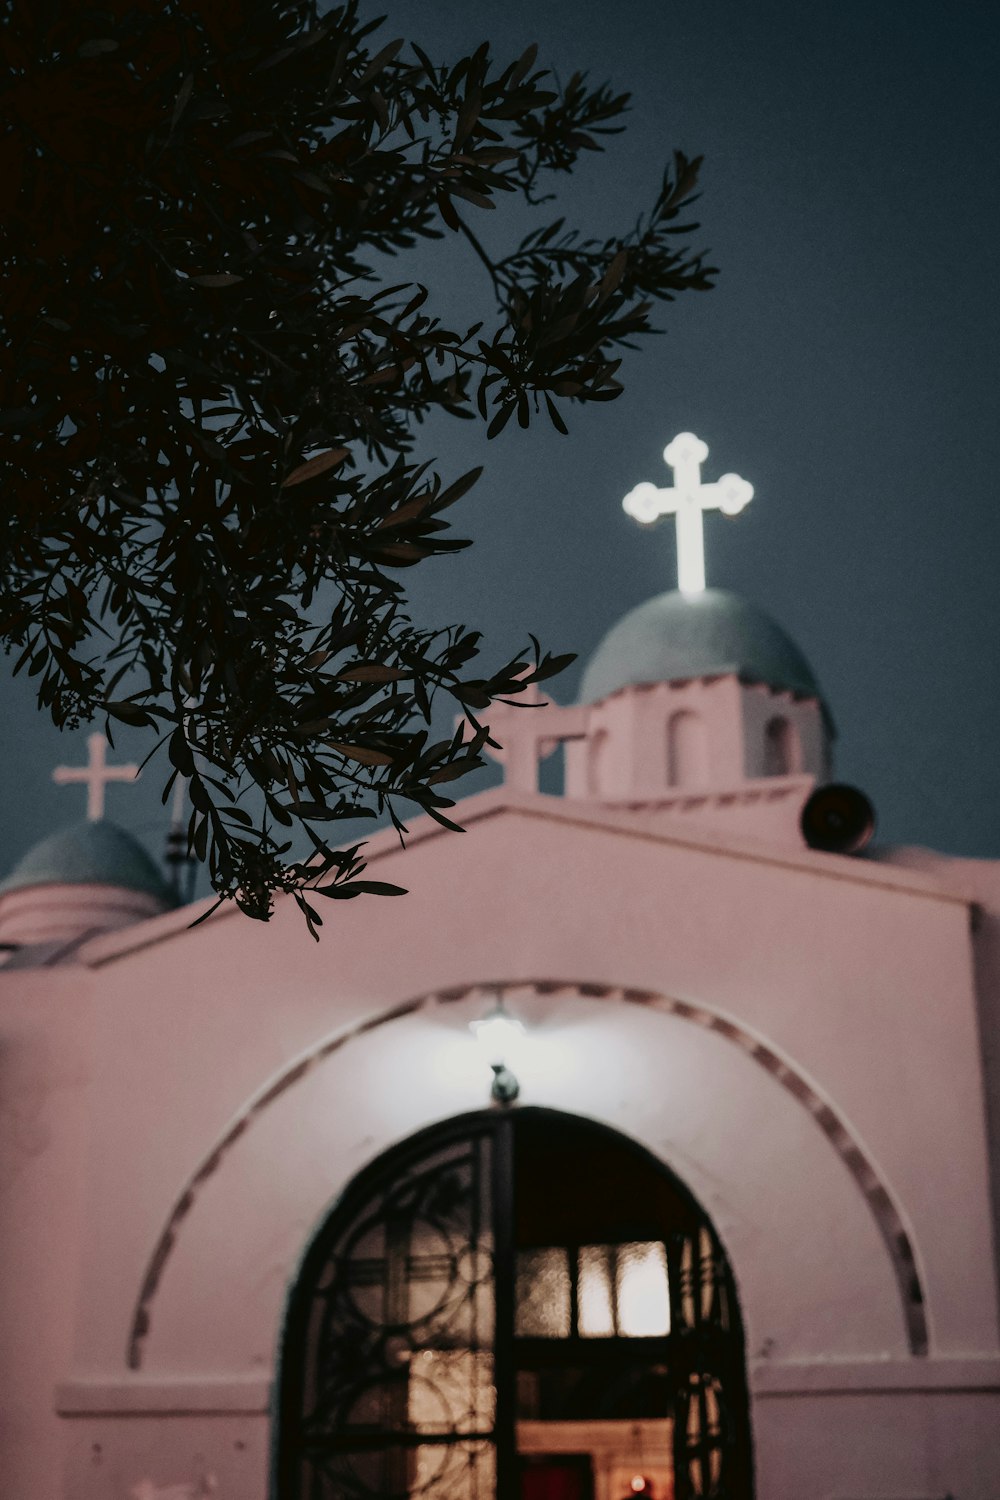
(45, 1071)
(860, 979)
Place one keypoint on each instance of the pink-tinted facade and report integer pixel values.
(808, 1040)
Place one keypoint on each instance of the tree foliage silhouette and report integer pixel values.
(210, 391)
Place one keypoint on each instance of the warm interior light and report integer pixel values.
(597, 1314)
(643, 1295)
(440, 1381)
(542, 1294)
(624, 1290)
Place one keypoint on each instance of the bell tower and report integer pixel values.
(696, 701)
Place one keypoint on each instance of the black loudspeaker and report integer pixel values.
(838, 818)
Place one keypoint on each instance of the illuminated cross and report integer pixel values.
(687, 499)
(95, 775)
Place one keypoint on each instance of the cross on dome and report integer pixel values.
(95, 775)
(688, 499)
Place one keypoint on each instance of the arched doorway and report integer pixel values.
(522, 1305)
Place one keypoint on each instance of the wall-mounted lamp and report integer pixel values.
(497, 1035)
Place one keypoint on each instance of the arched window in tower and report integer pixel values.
(687, 750)
(460, 1331)
(782, 749)
(598, 745)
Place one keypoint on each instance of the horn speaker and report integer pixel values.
(838, 819)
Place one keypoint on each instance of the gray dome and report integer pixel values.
(676, 636)
(89, 854)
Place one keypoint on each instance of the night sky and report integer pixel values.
(846, 364)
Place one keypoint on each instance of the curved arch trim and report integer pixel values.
(878, 1198)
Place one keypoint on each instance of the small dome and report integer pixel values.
(675, 637)
(89, 854)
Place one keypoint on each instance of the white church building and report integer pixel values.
(650, 1146)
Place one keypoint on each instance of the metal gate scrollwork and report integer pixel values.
(397, 1388)
(400, 1370)
(710, 1434)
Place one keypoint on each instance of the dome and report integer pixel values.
(89, 854)
(675, 637)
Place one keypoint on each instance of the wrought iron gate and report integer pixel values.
(400, 1364)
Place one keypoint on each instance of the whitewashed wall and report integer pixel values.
(856, 978)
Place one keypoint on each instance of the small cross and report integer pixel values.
(688, 498)
(528, 733)
(95, 775)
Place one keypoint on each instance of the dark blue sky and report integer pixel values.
(846, 364)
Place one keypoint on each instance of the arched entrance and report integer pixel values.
(521, 1305)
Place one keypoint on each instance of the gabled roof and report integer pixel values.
(646, 823)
